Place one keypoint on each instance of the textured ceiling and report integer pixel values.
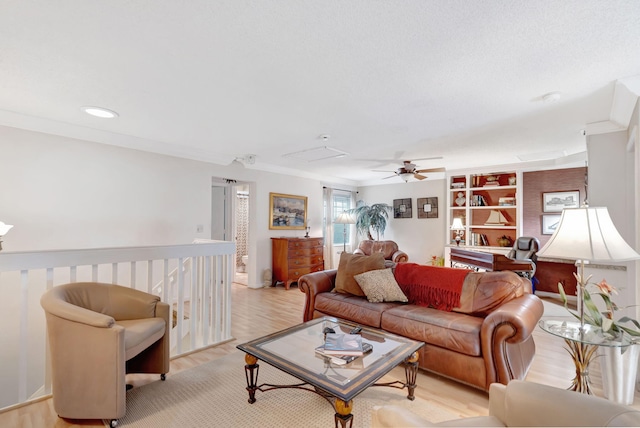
(394, 79)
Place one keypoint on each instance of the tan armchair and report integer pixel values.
(97, 334)
(388, 248)
(524, 404)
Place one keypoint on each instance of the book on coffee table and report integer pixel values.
(366, 347)
(343, 344)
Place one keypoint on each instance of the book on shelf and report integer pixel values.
(479, 239)
(507, 201)
(479, 201)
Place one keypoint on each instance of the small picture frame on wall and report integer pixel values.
(555, 202)
(550, 223)
(402, 208)
(428, 207)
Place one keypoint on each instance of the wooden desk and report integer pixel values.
(486, 260)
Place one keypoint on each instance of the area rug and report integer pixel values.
(214, 395)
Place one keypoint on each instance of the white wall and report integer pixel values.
(62, 193)
(419, 238)
(611, 184)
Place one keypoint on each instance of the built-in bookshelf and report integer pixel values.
(487, 203)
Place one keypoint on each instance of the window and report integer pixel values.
(341, 203)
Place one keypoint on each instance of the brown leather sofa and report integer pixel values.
(388, 248)
(489, 341)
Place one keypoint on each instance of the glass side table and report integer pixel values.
(582, 346)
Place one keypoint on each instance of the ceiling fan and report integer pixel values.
(408, 170)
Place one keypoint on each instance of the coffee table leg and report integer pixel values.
(343, 413)
(411, 372)
(251, 370)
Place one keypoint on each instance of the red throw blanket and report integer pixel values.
(434, 286)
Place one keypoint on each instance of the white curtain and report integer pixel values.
(332, 253)
(328, 228)
(352, 227)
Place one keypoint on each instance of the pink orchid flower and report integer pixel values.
(606, 288)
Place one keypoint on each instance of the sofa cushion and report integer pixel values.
(450, 330)
(353, 264)
(351, 308)
(483, 292)
(140, 334)
(380, 286)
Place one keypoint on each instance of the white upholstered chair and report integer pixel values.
(525, 404)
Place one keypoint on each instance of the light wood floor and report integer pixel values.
(257, 312)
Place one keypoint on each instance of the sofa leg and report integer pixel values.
(113, 423)
(163, 376)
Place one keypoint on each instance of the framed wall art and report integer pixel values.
(402, 208)
(550, 223)
(555, 202)
(427, 207)
(287, 211)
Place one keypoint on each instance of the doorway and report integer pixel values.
(230, 221)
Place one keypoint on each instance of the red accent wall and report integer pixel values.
(537, 182)
(549, 274)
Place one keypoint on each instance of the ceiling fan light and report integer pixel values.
(406, 176)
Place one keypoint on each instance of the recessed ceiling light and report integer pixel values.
(100, 112)
(551, 97)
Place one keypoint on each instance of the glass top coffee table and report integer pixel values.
(293, 351)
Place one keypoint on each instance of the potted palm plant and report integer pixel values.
(371, 218)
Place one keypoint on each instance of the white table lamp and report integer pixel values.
(458, 227)
(4, 228)
(587, 234)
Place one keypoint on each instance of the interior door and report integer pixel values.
(219, 213)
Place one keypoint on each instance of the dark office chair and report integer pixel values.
(525, 249)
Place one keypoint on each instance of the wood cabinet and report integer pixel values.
(488, 205)
(294, 257)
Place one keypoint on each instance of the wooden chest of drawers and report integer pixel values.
(294, 257)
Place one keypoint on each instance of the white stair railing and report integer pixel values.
(204, 288)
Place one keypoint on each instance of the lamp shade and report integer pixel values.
(345, 218)
(587, 233)
(4, 228)
(457, 224)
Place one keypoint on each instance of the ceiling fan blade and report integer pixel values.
(431, 158)
(419, 177)
(391, 176)
(432, 170)
(381, 170)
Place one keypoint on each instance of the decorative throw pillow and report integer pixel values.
(380, 286)
(353, 264)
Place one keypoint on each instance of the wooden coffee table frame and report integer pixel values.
(341, 398)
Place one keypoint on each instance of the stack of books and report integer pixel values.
(347, 347)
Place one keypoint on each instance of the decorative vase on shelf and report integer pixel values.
(504, 241)
(619, 365)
